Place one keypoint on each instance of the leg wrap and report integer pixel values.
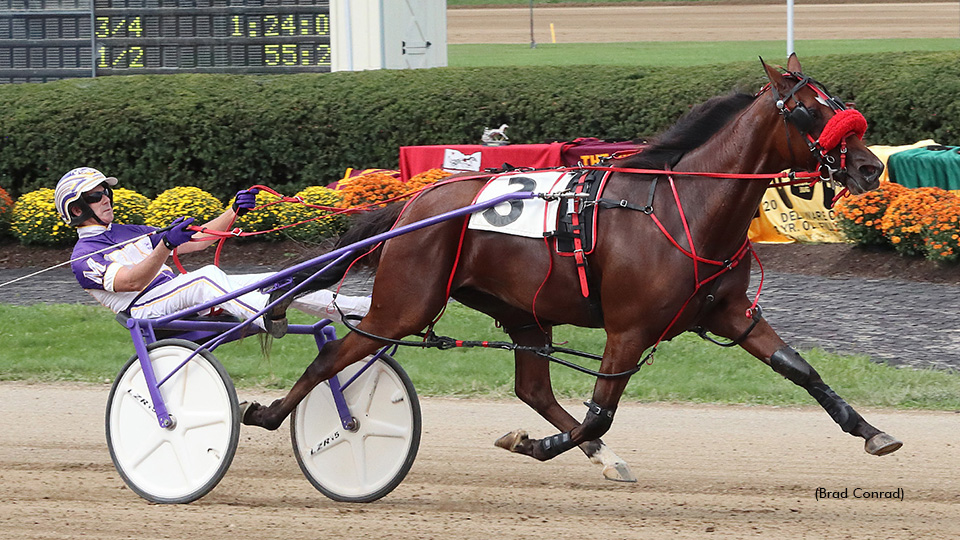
(595, 424)
(790, 364)
(554, 445)
(838, 409)
(597, 421)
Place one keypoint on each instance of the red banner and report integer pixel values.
(474, 157)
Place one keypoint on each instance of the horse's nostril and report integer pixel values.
(871, 173)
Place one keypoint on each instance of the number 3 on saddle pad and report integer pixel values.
(528, 217)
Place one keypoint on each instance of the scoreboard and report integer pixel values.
(71, 38)
(43, 40)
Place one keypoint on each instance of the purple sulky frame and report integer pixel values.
(143, 331)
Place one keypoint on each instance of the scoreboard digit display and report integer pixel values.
(43, 40)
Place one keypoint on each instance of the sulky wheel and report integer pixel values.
(367, 461)
(182, 463)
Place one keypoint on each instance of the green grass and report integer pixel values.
(84, 343)
(677, 54)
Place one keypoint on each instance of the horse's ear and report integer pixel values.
(776, 79)
(793, 64)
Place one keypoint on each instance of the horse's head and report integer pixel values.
(821, 132)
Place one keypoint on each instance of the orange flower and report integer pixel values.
(378, 186)
(6, 203)
(940, 236)
(369, 188)
(424, 179)
(6, 210)
(859, 216)
(910, 215)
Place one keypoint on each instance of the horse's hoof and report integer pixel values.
(512, 440)
(882, 444)
(246, 407)
(619, 472)
(275, 327)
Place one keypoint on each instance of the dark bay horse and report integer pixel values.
(647, 287)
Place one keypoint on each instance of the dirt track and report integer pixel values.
(737, 472)
(705, 22)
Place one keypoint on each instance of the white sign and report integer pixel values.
(456, 160)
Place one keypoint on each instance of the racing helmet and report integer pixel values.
(74, 184)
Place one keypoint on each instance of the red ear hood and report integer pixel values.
(844, 123)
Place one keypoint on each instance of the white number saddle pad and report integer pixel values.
(522, 217)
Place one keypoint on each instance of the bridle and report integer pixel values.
(842, 124)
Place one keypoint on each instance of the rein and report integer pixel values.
(794, 177)
(233, 232)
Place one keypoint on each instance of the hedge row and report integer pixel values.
(223, 133)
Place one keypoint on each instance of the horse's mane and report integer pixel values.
(692, 130)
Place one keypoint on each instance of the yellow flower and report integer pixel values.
(183, 202)
(34, 220)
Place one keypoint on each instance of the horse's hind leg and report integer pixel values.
(764, 343)
(533, 388)
(335, 355)
(620, 354)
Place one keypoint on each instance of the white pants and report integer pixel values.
(209, 283)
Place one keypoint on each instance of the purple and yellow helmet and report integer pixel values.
(70, 188)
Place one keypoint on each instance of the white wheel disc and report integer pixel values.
(366, 463)
(183, 463)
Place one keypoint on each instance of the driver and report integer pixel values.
(123, 266)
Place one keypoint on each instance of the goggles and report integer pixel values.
(92, 197)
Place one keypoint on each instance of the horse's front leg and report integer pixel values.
(600, 411)
(533, 388)
(764, 343)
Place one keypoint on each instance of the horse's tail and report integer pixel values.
(368, 225)
(364, 226)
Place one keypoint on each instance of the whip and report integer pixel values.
(38, 272)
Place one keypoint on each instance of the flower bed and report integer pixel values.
(34, 220)
(915, 222)
(6, 211)
(859, 217)
(183, 201)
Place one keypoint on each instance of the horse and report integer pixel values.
(680, 262)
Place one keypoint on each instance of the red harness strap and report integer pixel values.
(725, 266)
(578, 239)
